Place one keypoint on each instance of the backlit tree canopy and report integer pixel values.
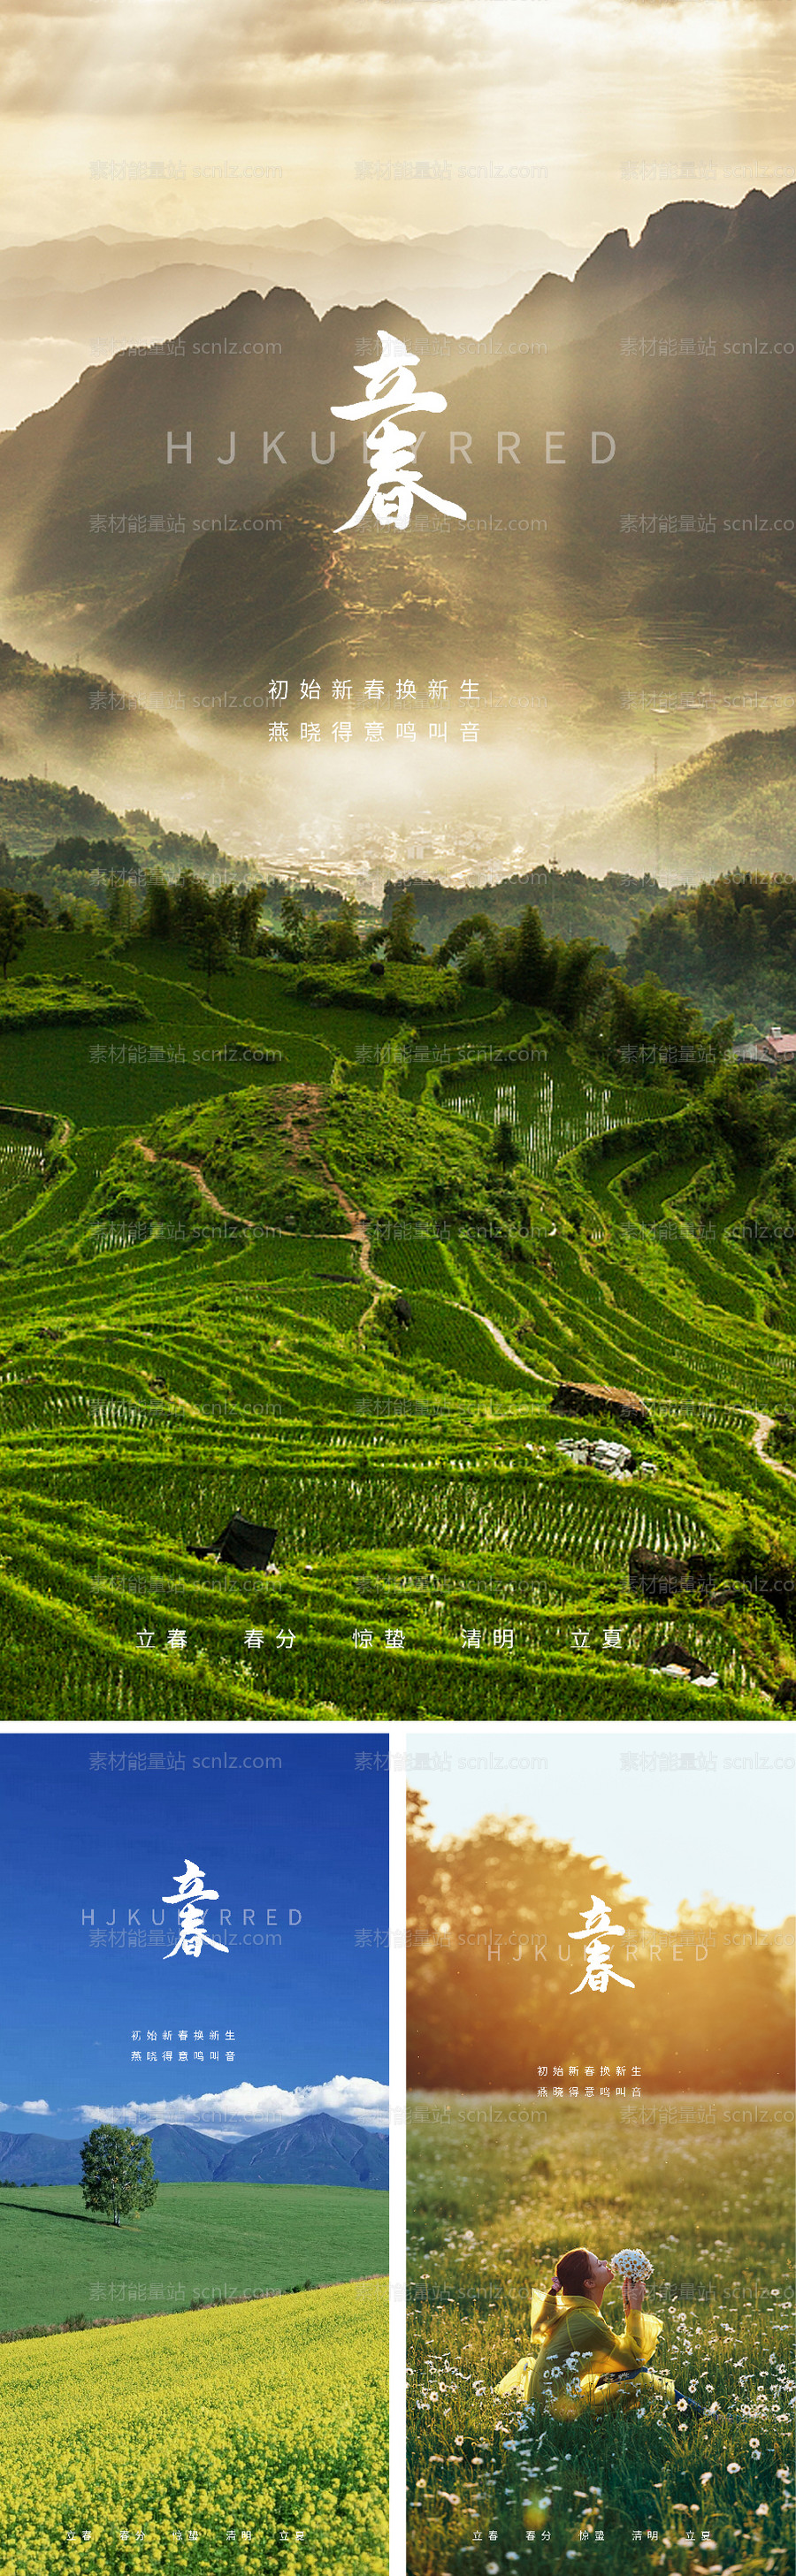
(492, 1970)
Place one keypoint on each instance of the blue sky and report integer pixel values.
(306, 1835)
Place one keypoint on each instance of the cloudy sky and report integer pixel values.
(585, 94)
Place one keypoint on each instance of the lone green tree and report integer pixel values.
(343, 942)
(248, 907)
(158, 914)
(211, 939)
(505, 1151)
(399, 934)
(121, 908)
(118, 2174)
(528, 959)
(294, 927)
(14, 926)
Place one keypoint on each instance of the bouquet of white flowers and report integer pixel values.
(631, 2265)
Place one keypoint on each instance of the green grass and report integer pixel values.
(199, 2240)
(496, 2191)
(32, 1002)
(397, 990)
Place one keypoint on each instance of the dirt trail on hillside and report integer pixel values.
(308, 1097)
(505, 1346)
(356, 1222)
(299, 1113)
(197, 1175)
(764, 1423)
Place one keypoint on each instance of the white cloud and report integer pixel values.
(352, 78)
(282, 62)
(225, 2137)
(257, 2106)
(40, 2107)
(5, 2106)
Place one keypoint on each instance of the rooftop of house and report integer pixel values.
(602, 1394)
(780, 1043)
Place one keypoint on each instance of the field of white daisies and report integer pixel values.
(494, 2196)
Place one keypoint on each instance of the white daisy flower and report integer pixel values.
(631, 2264)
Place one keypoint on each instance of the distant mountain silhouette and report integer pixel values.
(644, 346)
(714, 812)
(256, 365)
(701, 434)
(25, 2157)
(53, 295)
(83, 718)
(617, 274)
(717, 256)
(182, 2154)
(101, 452)
(318, 2149)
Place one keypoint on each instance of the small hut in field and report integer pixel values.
(573, 1396)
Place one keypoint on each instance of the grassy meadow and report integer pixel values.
(247, 2439)
(497, 2190)
(198, 2241)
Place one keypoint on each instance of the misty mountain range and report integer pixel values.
(105, 552)
(694, 430)
(318, 2149)
(40, 706)
(56, 297)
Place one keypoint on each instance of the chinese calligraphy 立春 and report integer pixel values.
(597, 1953)
(191, 1917)
(394, 479)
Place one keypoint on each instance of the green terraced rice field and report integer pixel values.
(162, 1364)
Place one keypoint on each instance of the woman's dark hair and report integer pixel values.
(572, 2272)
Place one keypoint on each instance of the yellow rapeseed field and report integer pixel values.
(249, 2437)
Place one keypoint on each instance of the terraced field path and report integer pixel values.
(505, 1347)
(197, 1175)
(356, 1222)
(356, 1227)
(764, 1423)
(308, 1098)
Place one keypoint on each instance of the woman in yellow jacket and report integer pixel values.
(576, 2350)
